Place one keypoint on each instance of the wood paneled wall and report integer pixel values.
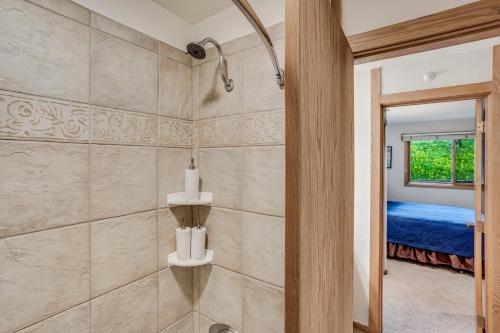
(319, 170)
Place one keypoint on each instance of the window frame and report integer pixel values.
(452, 185)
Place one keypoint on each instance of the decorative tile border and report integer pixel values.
(116, 126)
(262, 128)
(176, 132)
(31, 117)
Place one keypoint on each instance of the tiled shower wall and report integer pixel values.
(240, 150)
(95, 128)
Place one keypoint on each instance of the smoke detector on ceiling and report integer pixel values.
(429, 76)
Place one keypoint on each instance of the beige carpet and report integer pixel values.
(423, 299)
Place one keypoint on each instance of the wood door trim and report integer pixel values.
(319, 203)
(492, 248)
(471, 22)
(446, 94)
(492, 188)
(376, 208)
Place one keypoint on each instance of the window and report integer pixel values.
(440, 163)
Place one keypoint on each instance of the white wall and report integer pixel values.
(230, 23)
(396, 191)
(145, 16)
(362, 147)
(466, 63)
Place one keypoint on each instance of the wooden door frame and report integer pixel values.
(379, 101)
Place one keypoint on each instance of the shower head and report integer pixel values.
(197, 51)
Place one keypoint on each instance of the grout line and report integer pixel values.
(248, 211)
(90, 221)
(244, 146)
(157, 188)
(177, 321)
(91, 51)
(244, 113)
(52, 316)
(250, 277)
(123, 39)
(61, 14)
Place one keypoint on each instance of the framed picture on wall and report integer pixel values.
(389, 157)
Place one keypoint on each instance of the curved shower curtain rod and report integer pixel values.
(252, 17)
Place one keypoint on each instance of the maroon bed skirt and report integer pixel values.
(430, 257)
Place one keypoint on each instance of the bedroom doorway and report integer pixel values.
(430, 167)
(410, 259)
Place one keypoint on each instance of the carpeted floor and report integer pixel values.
(423, 299)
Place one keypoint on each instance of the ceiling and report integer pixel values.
(194, 11)
(432, 112)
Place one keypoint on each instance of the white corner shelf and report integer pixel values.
(180, 199)
(174, 261)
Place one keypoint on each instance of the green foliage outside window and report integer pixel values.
(465, 160)
(431, 161)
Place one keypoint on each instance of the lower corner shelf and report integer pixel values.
(174, 261)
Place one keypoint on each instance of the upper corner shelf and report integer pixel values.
(180, 199)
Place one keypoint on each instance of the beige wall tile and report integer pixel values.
(48, 56)
(210, 97)
(27, 116)
(224, 233)
(168, 220)
(123, 180)
(74, 320)
(123, 75)
(129, 309)
(176, 132)
(114, 126)
(43, 185)
(41, 274)
(264, 247)
(175, 89)
(171, 165)
(263, 307)
(220, 172)
(263, 128)
(122, 249)
(185, 325)
(221, 295)
(119, 30)
(67, 8)
(261, 91)
(175, 54)
(176, 295)
(263, 184)
(276, 32)
(205, 324)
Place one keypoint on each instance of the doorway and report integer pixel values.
(480, 94)
(429, 282)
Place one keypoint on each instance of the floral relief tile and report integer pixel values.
(176, 133)
(114, 126)
(30, 117)
(266, 128)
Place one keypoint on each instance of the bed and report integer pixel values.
(432, 234)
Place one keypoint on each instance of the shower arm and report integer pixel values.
(222, 64)
(254, 20)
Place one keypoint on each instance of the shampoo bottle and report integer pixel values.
(191, 182)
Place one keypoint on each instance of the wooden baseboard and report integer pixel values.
(360, 327)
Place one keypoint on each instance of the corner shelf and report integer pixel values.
(180, 199)
(174, 261)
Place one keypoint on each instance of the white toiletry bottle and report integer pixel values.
(198, 240)
(183, 242)
(192, 182)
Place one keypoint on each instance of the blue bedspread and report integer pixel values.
(431, 227)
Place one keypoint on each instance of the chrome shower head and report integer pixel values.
(197, 51)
